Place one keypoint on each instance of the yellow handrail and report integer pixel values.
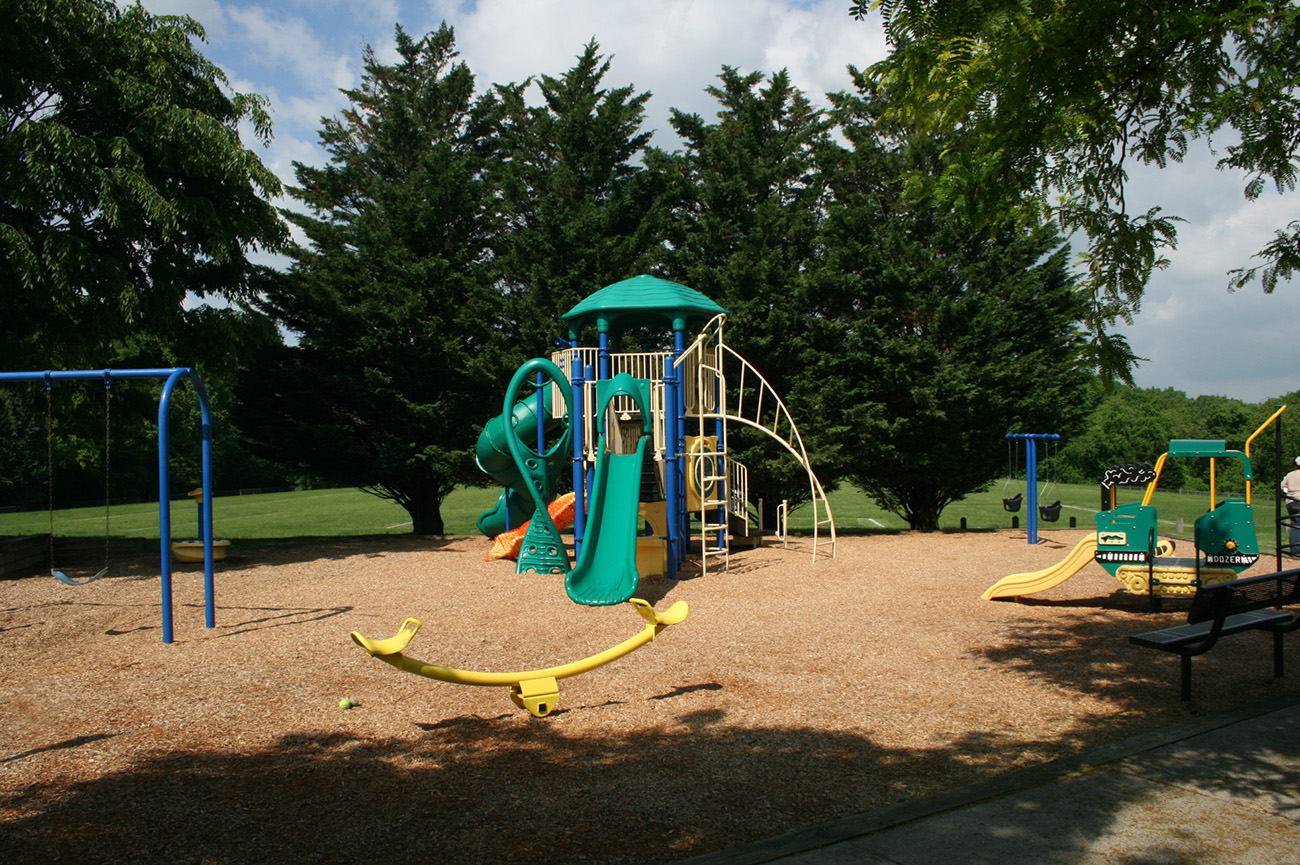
(1151, 487)
(1262, 427)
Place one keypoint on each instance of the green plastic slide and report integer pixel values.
(606, 570)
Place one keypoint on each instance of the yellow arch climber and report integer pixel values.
(534, 690)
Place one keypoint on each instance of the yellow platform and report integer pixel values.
(652, 549)
(192, 551)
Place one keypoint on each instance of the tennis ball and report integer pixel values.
(345, 703)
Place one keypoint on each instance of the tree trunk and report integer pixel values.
(424, 504)
(924, 519)
(426, 518)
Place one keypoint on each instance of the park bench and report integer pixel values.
(1233, 607)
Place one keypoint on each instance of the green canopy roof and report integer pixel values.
(643, 301)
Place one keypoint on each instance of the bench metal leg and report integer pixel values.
(1277, 654)
(1185, 690)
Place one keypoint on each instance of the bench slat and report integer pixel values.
(1249, 593)
(1173, 639)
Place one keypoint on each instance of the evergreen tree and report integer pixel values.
(745, 233)
(396, 364)
(932, 340)
(580, 213)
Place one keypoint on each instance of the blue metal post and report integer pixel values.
(579, 476)
(671, 448)
(602, 356)
(1031, 478)
(164, 497)
(590, 474)
(602, 373)
(1031, 473)
(678, 508)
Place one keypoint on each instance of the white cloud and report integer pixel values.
(674, 49)
(209, 13)
(1197, 336)
(289, 43)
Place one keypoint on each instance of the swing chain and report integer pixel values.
(49, 458)
(108, 449)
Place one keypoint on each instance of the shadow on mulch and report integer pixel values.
(509, 788)
(481, 790)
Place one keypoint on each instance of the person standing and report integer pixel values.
(1291, 489)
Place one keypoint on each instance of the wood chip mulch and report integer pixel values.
(795, 693)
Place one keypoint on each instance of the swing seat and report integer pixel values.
(1050, 513)
(1013, 504)
(69, 581)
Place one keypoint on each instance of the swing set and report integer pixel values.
(172, 377)
(1048, 513)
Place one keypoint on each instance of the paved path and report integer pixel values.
(1219, 790)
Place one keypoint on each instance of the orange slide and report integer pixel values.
(506, 545)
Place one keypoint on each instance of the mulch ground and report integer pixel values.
(795, 692)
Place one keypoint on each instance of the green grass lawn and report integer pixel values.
(288, 517)
(300, 517)
(854, 512)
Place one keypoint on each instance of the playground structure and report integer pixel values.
(1126, 543)
(194, 551)
(646, 436)
(172, 377)
(691, 492)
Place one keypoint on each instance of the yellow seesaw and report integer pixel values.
(534, 690)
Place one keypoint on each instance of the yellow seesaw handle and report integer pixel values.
(534, 690)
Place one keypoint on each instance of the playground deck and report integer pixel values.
(786, 699)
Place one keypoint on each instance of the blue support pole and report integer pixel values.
(590, 475)
(679, 419)
(1031, 471)
(671, 458)
(602, 356)
(601, 373)
(164, 497)
(579, 476)
(1031, 479)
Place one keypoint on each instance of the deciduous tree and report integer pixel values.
(126, 187)
(1057, 100)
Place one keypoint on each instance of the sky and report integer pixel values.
(1193, 334)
